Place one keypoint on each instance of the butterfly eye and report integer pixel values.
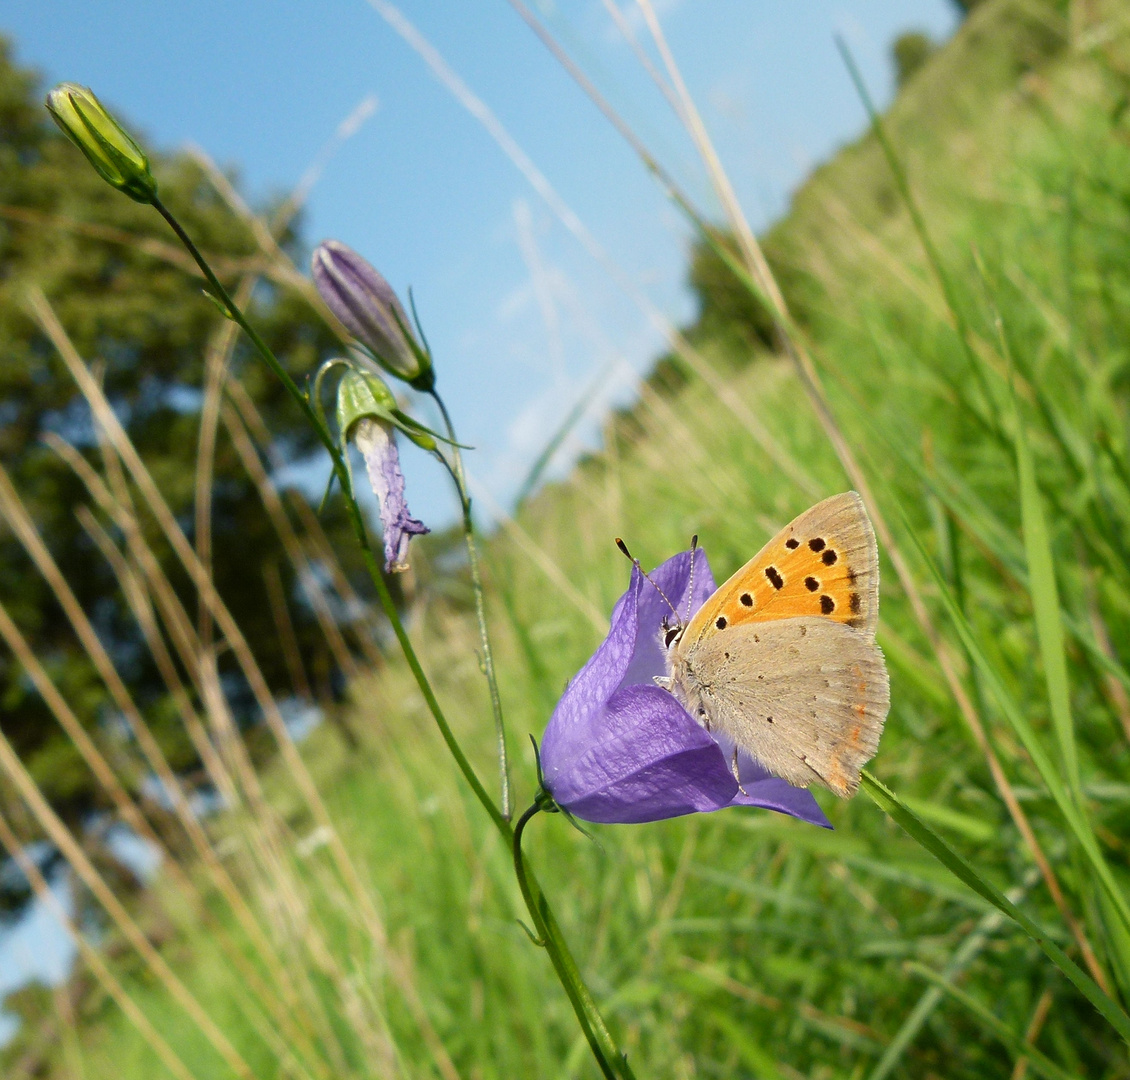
(671, 634)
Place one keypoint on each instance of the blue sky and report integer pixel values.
(520, 317)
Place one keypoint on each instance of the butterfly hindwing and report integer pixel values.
(824, 564)
(806, 697)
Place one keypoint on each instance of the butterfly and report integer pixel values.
(781, 661)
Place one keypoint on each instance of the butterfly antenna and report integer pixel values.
(690, 587)
(636, 563)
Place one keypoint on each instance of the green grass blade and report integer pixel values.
(964, 955)
(1039, 1062)
(1080, 825)
(1045, 597)
(900, 813)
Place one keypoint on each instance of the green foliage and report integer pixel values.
(910, 51)
(143, 319)
(726, 309)
(740, 943)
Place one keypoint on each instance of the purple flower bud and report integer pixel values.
(368, 308)
(375, 439)
(618, 748)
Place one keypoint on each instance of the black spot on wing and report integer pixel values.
(811, 584)
(774, 576)
(720, 622)
(817, 543)
(792, 543)
(746, 599)
(829, 557)
(827, 604)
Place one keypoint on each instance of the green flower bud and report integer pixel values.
(106, 144)
(361, 394)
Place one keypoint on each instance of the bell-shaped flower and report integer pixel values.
(106, 144)
(368, 308)
(365, 408)
(619, 748)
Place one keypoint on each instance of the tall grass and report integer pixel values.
(353, 914)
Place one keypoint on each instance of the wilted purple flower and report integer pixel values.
(369, 309)
(620, 749)
(375, 439)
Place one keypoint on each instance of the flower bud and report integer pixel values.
(368, 308)
(106, 144)
(359, 394)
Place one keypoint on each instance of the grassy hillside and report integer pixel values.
(742, 944)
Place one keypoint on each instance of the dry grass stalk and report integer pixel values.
(284, 627)
(295, 931)
(108, 421)
(76, 858)
(125, 805)
(540, 558)
(273, 504)
(362, 910)
(671, 334)
(314, 537)
(92, 956)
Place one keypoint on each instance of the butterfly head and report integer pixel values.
(671, 634)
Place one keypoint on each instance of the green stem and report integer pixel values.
(355, 516)
(564, 965)
(613, 1063)
(460, 477)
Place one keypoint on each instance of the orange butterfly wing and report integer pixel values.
(824, 564)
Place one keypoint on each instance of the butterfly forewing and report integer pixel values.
(824, 564)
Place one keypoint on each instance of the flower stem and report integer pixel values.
(613, 1063)
(460, 477)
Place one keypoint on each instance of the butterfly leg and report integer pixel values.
(734, 770)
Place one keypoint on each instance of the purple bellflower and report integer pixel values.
(368, 308)
(619, 749)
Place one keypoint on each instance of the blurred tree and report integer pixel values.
(966, 6)
(910, 51)
(144, 320)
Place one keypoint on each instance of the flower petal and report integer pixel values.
(651, 761)
(374, 438)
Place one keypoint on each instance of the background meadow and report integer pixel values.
(351, 912)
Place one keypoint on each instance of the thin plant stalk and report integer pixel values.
(568, 973)
(612, 1062)
(314, 536)
(895, 809)
(459, 477)
(15, 514)
(676, 340)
